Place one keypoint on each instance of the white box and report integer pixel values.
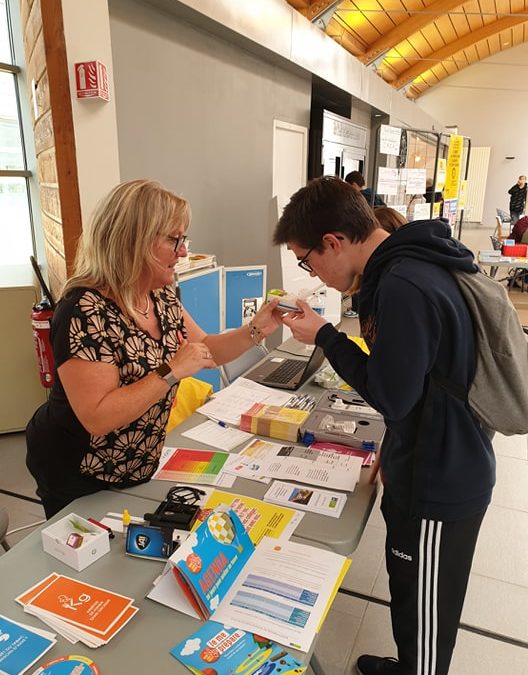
(95, 542)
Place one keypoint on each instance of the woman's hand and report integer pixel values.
(268, 318)
(190, 358)
(304, 324)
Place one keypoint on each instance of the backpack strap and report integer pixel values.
(456, 390)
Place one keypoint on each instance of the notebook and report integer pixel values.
(288, 368)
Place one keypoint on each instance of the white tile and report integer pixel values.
(381, 585)
(479, 655)
(502, 547)
(366, 561)
(348, 604)
(20, 513)
(337, 636)
(374, 636)
(15, 475)
(496, 606)
(376, 517)
(511, 446)
(511, 490)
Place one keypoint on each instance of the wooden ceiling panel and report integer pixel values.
(414, 44)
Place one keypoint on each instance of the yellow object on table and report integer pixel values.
(191, 394)
(273, 421)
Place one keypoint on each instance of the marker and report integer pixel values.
(105, 527)
(222, 424)
(126, 519)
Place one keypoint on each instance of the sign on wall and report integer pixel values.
(91, 80)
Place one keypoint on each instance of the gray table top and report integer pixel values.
(143, 645)
(341, 535)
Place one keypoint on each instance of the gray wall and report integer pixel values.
(196, 113)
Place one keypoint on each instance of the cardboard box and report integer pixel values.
(273, 421)
(95, 541)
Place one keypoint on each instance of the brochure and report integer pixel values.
(192, 466)
(325, 502)
(260, 519)
(221, 437)
(21, 645)
(76, 610)
(328, 469)
(281, 590)
(224, 651)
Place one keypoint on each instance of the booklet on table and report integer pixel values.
(280, 589)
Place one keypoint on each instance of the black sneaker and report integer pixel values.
(377, 665)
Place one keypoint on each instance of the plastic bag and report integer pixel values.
(191, 394)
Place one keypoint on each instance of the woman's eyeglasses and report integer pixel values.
(178, 242)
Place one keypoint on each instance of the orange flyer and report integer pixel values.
(81, 604)
(28, 595)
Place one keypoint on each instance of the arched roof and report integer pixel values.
(415, 44)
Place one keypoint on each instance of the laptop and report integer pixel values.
(287, 367)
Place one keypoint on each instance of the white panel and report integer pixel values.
(477, 179)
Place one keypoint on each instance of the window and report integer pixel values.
(16, 223)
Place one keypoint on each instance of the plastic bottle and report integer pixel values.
(317, 302)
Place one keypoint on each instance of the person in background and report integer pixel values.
(517, 199)
(356, 180)
(122, 341)
(437, 461)
(519, 230)
(390, 220)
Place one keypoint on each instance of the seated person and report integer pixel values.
(520, 230)
(122, 341)
(356, 180)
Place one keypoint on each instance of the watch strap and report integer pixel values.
(165, 372)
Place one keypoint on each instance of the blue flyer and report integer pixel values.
(216, 649)
(20, 646)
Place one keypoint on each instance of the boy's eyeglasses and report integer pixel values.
(178, 241)
(304, 264)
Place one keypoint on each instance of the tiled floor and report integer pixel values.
(494, 636)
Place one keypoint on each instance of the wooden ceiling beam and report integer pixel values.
(300, 4)
(407, 28)
(338, 30)
(453, 47)
(315, 8)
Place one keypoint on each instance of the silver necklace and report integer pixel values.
(145, 312)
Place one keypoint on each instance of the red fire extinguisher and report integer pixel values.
(41, 315)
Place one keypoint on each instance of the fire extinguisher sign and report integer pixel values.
(91, 80)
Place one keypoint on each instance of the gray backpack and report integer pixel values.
(498, 395)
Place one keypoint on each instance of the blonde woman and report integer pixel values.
(121, 342)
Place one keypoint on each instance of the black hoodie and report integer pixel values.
(437, 461)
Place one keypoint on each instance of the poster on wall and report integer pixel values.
(440, 174)
(422, 211)
(450, 211)
(390, 140)
(387, 181)
(462, 195)
(415, 184)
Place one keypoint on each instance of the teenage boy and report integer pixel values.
(437, 462)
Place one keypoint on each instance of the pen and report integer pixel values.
(105, 527)
(222, 424)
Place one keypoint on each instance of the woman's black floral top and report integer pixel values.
(89, 326)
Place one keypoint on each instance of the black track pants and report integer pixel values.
(428, 563)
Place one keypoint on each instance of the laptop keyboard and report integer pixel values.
(285, 371)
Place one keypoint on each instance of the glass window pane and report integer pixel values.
(11, 156)
(16, 244)
(5, 44)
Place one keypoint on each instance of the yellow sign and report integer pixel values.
(440, 174)
(436, 210)
(454, 158)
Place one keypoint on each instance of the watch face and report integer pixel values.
(163, 370)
